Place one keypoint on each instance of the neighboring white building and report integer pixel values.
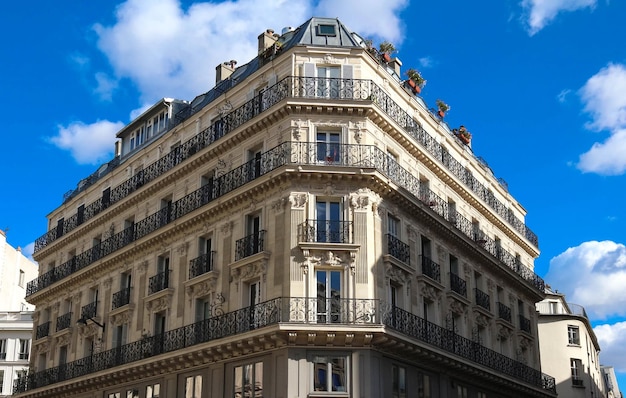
(16, 330)
(15, 271)
(610, 380)
(569, 348)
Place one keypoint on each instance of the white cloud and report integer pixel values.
(539, 13)
(167, 51)
(612, 340)
(562, 96)
(582, 271)
(603, 99)
(88, 143)
(106, 86)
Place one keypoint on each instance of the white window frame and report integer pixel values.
(327, 390)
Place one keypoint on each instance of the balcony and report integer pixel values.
(458, 285)
(201, 265)
(64, 321)
(249, 245)
(325, 231)
(482, 299)
(398, 249)
(43, 330)
(89, 310)
(504, 312)
(121, 298)
(294, 311)
(524, 324)
(287, 153)
(158, 282)
(431, 269)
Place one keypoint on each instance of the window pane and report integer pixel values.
(258, 379)
(339, 374)
(238, 381)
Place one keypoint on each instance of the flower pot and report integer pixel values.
(465, 139)
(386, 57)
(411, 83)
(441, 113)
(417, 89)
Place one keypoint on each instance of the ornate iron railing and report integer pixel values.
(249, 245)
(524, 324)
(64, 321)
(431, 269)
(325, 231)
(295, 310)
(504, 312)
(43, 330)
(398, 249)
(288, 153)
(291, 87)
(158, 282)
(482, 299)
(121, 298)
(89, 310)
(457, 284)
(201, 265)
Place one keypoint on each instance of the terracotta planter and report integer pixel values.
(417, 89)
(386, 57)
(465, 140)
(441, 113)
(411, 83)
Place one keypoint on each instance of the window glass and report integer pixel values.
(329, 374)
(248, 380)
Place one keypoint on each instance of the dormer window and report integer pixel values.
(326, 30)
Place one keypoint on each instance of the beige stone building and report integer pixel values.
(306, 228)
(569, 348)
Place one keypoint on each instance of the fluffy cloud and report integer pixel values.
(604, 101)
(88, 143)
(167, 51)
(583, 271)
(612, 340)
(541, 12)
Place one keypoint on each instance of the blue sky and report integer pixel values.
(539, 83)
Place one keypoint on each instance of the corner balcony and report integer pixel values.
(291, 313)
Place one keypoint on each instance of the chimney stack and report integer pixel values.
(267, 39)
(224, 70)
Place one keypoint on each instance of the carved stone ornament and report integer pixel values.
(63, 339)
(504, 333)
(201, 289)
(89, 330)
(330, 59)
(249, 271)
(327, 258)
(298, 200)
(397, 275)
(107, 283)
(142, 267)
(279, 205)
(182, 249)
(55, 307)
(430, 293)
(159, 304)
(226, 228)
(359, 131)
(524, 343)
(121, 318)
(43, 347)
(456, 307)
(363, 198)
(481, 320)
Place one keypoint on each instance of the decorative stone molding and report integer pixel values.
(278, 206)
(503, 333)
(142, 267)
(107, 283)
(330, 189)
(56, 306)
(328, 258)
(298, 200)
(397, 275)
(330, 59)
(121, 318)
(481, 320)
(250, 271)
(202, 288)
(412, 232)
(297, 130)
(159, 303)
(456, 307)
(430, 293)
(226, 228)
(182, 249)
(89, 330)
(359, 131)
(363, 198)
(43, 347)
(63, 339)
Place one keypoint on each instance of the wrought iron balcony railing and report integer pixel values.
(504, 312)
(458, 285)
(325, 231)
(288, 153)
(398, 249)
(524, 324)
(201, 265)
(289, 87)
(43, 330)
(158, 282)
(482, 299)
(431, 269)
(89, 310)
(64, 321)
(249, 245)
(294, 310)
(121, 298)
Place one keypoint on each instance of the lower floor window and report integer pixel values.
(398, 376)
(329, 373)
(193, 387)
(153, 391)
(249, 380)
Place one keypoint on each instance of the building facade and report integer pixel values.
(569, 348)
(610, 381)
(16, 330)
(306, 228)
(15, 271)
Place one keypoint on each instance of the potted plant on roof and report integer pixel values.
(464, 135)
(416, 81)
(386, 49)
(443, 108)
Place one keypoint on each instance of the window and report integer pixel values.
(134, 393)
(203, 309)
(193, 387)
(114, 395)
(248, 380)
(329, 226)
(121, 331)
(577, 372)
(328, 296)
(423, 386)
(481, 394)
(326, 30)
(1, 381)
(254, 164)
(24, 349)
(393, 226)
(328, 81)
(461, 391)
(328, 146)
(398, 377)
(253, 299)
(330, 373)
(20, 281)
(3, 348)
(153, 391)
(573, 335)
